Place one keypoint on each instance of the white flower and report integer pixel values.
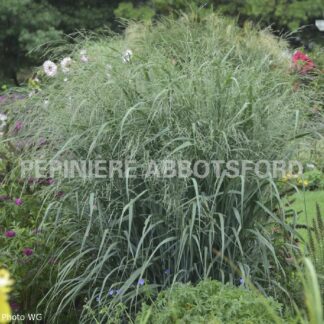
(3, 117)
(108, 70)
(310, 166)
(83, 56)
(65, 79)
(286, 54)
(46, 103)
(127, 56)
(50, 68)
(65, 64)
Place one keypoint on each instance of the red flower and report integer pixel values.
(302, 62)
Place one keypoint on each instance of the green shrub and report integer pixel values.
(315, 179)
(210, 302)
(195, 89)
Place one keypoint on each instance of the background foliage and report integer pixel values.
(27, 24)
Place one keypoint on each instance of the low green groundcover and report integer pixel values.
(211, 302)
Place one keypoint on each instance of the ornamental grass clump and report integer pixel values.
(192, 89)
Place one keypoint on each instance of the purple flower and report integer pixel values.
(28, 251)
(45, 181)
(18, 126)
(31, 180)
(167, 271)
(20, 145)
(111, 292)
(3, 99)
(241, 281)
(42, 141)
(14, 306)
(18, 201)
(59, 194)
(50, 181)
(17, 96)
(141, 282)
(10, 234)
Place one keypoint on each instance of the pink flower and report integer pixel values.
(302, 62)
(27, 251)
(10, 234)
(18, 201)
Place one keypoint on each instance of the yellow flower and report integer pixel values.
(302, 182)
(5, 311)
(288, 175)
(5, 283)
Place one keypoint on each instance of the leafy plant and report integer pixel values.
(315, 179)
(211, 302)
